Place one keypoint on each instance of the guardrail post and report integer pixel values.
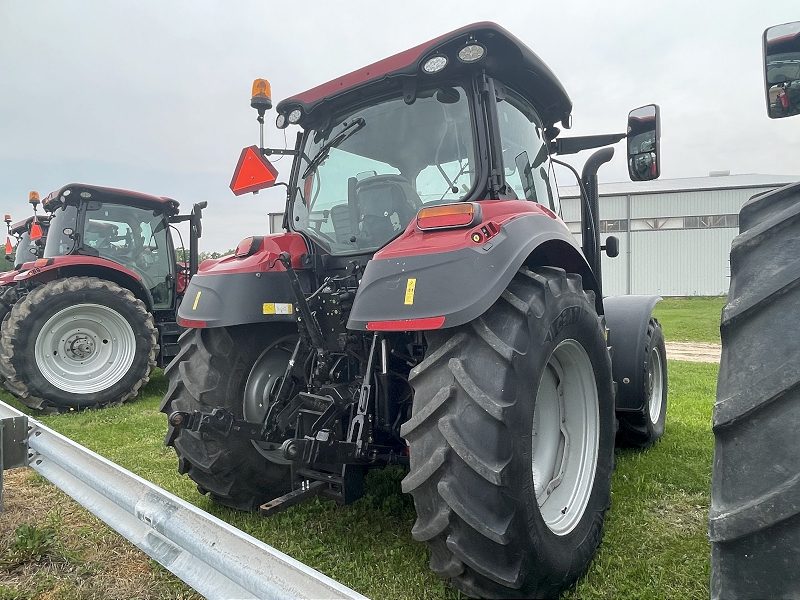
(13, 446)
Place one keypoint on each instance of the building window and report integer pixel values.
(711, 221)
(613, 225)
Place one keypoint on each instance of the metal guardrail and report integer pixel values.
(213, 557)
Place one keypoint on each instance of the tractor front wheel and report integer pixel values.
(235, 368)
(512, 439)
(77, 343)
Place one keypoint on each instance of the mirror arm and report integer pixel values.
(572, 145)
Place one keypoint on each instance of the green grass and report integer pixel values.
(690, 319)
(655, 544)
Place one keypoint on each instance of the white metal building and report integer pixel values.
(675, 234)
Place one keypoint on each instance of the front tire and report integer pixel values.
(230, 368)
(76, 343)
(512, 440)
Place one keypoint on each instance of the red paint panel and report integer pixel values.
(76, 260)
(264, 259)
(494, 214)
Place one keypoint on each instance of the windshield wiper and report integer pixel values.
(349, 129)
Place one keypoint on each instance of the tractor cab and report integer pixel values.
(116, 226)
(463, 118)
(31, 234)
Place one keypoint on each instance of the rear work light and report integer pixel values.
(448, 216)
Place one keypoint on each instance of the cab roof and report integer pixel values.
(103, 194)
(507, 59)
(22, 226)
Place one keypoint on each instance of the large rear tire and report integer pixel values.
(754, 521)
(512, 441)
(76, 343)
(234, 368)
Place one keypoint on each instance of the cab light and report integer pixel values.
(406, 324)
(448, 216)
(434, 64)
(190, 324)
(295, 116)
(471, 53)
(281, 122)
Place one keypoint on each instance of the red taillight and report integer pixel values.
(447, 216)
(188, 323)
(406, 324)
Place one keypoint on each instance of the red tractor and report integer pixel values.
(426, 306)
(95, 314)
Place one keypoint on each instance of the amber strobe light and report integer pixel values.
(262, 95)
(447, 216)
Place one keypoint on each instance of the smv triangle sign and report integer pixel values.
(253, 172)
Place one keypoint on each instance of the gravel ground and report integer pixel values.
(693, 351)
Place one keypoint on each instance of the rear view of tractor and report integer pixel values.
(97, 311)
(426, 306)
(754, 522)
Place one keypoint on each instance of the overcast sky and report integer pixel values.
(154, 96)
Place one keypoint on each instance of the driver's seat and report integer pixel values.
(380, 198)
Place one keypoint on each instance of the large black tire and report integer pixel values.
(754, 522)
(212, 370)
(644, 428)
(76, 343)
(486, 439)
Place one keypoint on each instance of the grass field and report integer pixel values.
(655, 544)
(690, 319)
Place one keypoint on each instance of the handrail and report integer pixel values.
(213, 557)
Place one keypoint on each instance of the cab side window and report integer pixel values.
(525, 159)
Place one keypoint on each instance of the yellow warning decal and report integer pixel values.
(196, 300)
(277, 308)
(411, 285)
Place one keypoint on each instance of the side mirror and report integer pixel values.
(644, 143)
(782, 70)
(611, 246)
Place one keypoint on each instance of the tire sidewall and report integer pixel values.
(656, 429)
(47, 301)
(569, 553)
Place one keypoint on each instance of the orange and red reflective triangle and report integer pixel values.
(253, 172)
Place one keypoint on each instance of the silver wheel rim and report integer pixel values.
(655, 377)
(261, 387)
(85, 348)
(566, 437)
